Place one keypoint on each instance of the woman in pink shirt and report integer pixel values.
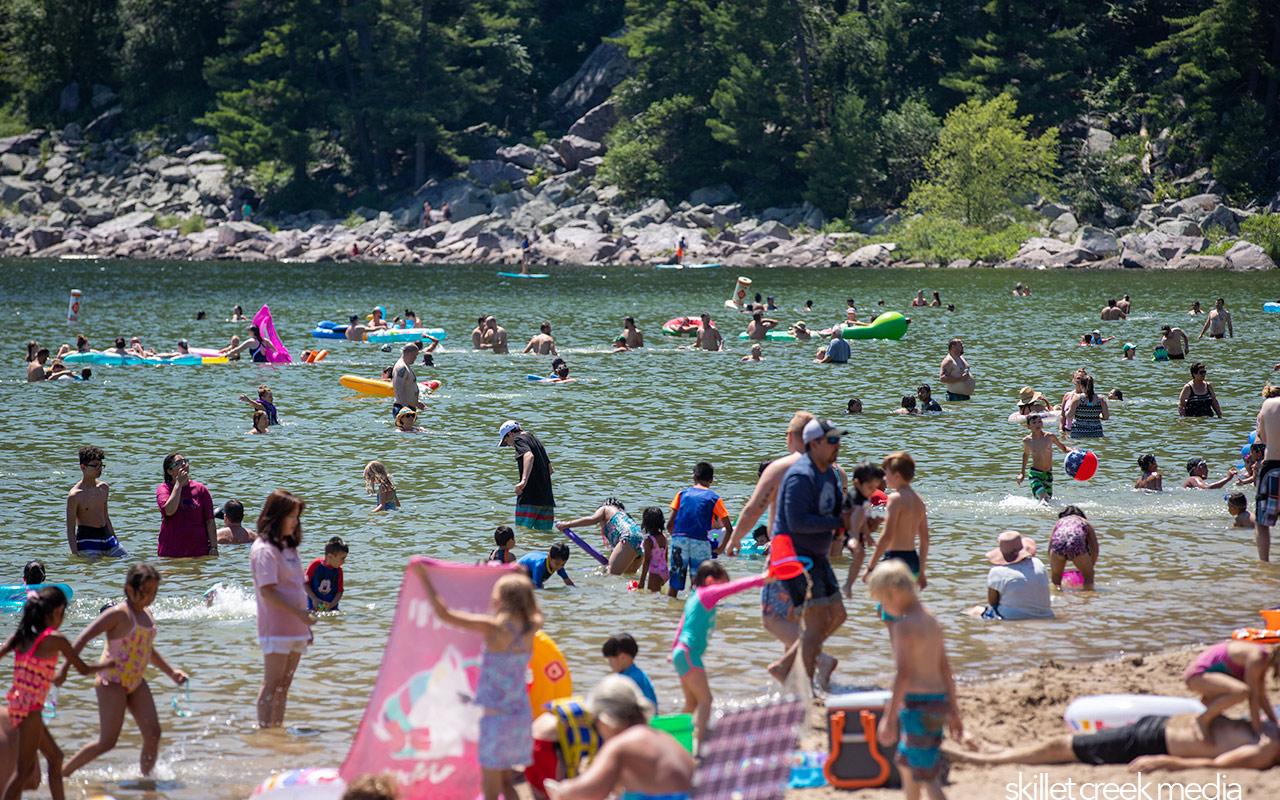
(284, 626)
(186, 527)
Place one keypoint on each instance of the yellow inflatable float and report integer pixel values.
(549, 674)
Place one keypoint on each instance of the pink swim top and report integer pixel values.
(1217, 659)
(32, 677)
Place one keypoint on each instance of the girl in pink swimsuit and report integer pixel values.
(1230, 672)
(653, 569)
(36, 646)
(130, 630)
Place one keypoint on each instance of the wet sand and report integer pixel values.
(1025, 707)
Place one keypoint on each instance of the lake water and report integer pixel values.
(1172, 571)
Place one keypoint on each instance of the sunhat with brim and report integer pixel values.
(413, 412)
(1014, 547)
(1027, 396)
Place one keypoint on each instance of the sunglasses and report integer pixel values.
(182, 462)
(833, 440)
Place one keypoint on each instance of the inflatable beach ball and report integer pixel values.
(301, 783)
(1080, 464)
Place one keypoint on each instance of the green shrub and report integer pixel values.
(192, 224)
(353, 220)
(1264, 231)
(166, 221)
(12, 123)
(536, 177)
(940, 240)
(501, 187)
(539, 138)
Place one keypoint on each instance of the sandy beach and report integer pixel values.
(1027, 706)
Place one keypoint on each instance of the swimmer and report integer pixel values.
(906, 521)
(542, 343)
(234, 532)
(1032, 402)
(560, 375)
(821, 356)
(919, 300)
(1073, 540)
(708, 337)
(1115, 394)
(378, 317)
(379, 483)
(407, 419)
(801, 331)
(1112, 312)
(757, 354)
(1128, 351)
(35, 369)
(854, 407)
(633, 337)
(1268, 475)
(908, 406)
(355, 331)
(237, 315)
(924, 393)
(936, 302)
(1037, 447)
(82, 343)
(89, 529)
(759, 326)
(808, 307)
(266, 403)
(1198, 470)
(951, 306)
(1174, 341)
(620, 530)
(477, 333)
(955, 373)
(1151, 479)
(129, 629)
(1195, 308)
(1218, 323)
(260, 424)
(1251, 461)
(495, 337)
(505, 539)
(1238, 508)
(324, 577)
(1125, 305)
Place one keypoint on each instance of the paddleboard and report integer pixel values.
(519, 275)
(685, 266)
(379, 388)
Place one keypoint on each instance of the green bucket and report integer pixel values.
(678, 725)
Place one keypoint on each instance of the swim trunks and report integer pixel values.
(685, 556)
(775, 601)
(1041, 483)
(94, 541)
(921, 722)
(909, 557)
(1267, 502)
(1122, 745)
(1177, 357)
(952, 397)
(1069, 538)
(816, 586)
(621, 527)
(538, 518)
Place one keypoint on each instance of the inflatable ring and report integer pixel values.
(1259, 635)
(550, 673)
(683, 326)
(889, 325)
(302, 783)
(1097, 712)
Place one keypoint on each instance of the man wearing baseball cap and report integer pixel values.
(535, 502)
(810, 509)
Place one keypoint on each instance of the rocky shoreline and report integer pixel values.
(64, 196)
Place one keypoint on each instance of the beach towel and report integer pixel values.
(276, 351)
(422, 724)
(746, 754)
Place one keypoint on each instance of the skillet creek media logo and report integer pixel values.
(1041, 787)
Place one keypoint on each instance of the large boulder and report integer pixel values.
(1139, 259)
(657, 211)
(1053, 210)
(1195, 207)
(594, 124)
(69, 99)
(1099, 140)
(24, 143)
(1180, 227)
(526, 157)
(871, 255)
(718, 195)
(487, 173)
(1247, 255)
(592, 84)
(123, 223)
(1220, 217)
(573, 149)
(1101, 243)
(105, 123)
(1064, 224)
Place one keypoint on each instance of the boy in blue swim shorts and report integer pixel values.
(695, 511)
(924, 691)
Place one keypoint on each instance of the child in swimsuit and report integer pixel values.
(711, 585)
(378, 481)
(620, 531)
(1230, 672)
(324, 577)
(505, 538)
(36, 645)
(1073, 539)
(130, 630)
(653, 567)
(506, 738)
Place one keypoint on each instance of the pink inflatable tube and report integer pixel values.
(276, 352)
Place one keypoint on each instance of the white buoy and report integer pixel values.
(739, 297)
(73, 310)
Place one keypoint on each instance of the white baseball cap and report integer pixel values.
(817, 428)
(505, 428)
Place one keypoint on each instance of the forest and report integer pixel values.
(840, 103)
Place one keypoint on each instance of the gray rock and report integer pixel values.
(773, 228)
(69, 99)
(577, 237)
(488, 173)
(11, 164)
(102, 96)
(13, 188)
(871, 255)
(1100, 242)
(960, 263)
(1053, 210)
(1221, 217)
(718, 195)
(71, 206)
(1195, 207)
(41, 238)
(657, 211)
(72, 133)
(589, 166)
(1099, 140)
(1179, 227)
(175, 174)
(814, 218)
(24, 143)
(123, 223)
(594, 124)
(573, 149)
(526, 157)
(1139, 259)
(205, 157)
(592, 84)
(790, 217)
(1042, 243)
(1114, 216)
(1247, 255)
(463, 229)
(105, 123)
(30, 204)
(1064, 224)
